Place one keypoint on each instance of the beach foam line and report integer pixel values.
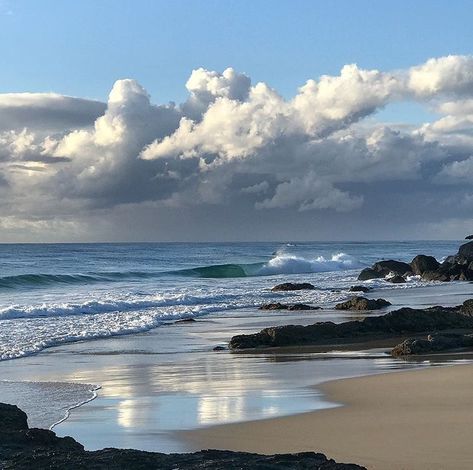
(93, 390)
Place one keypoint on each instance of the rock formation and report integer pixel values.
(280, 306)
(22, 448)
(362, 303)
(287, 286)
(458, 267)
(403, 322)
(432, 344)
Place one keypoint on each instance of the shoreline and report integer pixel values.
(412, 419)
(67, 414)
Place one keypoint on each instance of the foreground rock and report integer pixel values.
(432, 344)
(287, 286)
(22, 448)
(280, 306)
(403, 322)
(362, 303)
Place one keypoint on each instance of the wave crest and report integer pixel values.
(291, 264)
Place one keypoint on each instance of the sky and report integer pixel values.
(235, 120)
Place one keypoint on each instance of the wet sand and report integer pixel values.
(420, 419)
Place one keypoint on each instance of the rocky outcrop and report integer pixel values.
(422, 263)
(25, 449)
(382, 269)
(465, 252)
(390, 266)
(287, 286)
(402, 322)
(367, 274)
(280, 306)
(458, 267)
(469, 237)
(359, 288)
(455, 268)
(362, 303)
(432, 344)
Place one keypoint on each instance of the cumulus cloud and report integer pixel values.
(239, 145)
(451, 74)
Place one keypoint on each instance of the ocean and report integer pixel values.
(76, 317)
(59, 293)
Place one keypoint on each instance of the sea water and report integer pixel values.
(59, 293)
(52, 295)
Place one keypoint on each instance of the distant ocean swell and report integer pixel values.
(279, 264)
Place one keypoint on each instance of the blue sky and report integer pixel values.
(81, 48)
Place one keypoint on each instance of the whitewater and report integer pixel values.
(56, 294)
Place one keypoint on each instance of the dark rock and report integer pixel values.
(274, 306)
(186, 320)
(458, 267)
(362, 303)
(422, 263)
(432, 344)
(369, 273)
(359, 289)
(467, 308)
(435, 276)
(24, 449)
(219, 348)
(13, 418)
(287, 286)
(280, 306)
(466, 251)
(396, 279)
(303, 307)
(391, 266)
(469, 237)
(404, 321)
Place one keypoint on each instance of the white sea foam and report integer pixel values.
(91, 307)
(290, 264)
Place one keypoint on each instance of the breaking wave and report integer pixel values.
(279, 264)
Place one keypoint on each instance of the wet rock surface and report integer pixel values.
(280, 306)
(422, 263)
(396, 279)
(403, 322)
(288, 286)
(458, 267)
(22, 448)
(432, 344)
(358, 288)
(362, 303)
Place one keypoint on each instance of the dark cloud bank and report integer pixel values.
(236, 161)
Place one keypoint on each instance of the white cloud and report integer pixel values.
(237, 144)
(452, 74)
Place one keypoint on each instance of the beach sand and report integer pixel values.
(420, 419)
